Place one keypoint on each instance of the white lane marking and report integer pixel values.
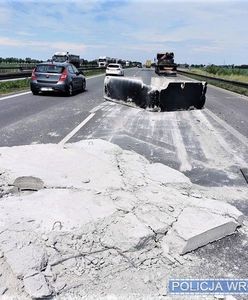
(93, 110)
(230, 129)
(25, 93)
(94, 76)
(180, 148)
(14, 79)
(85, 121)
(15, 95)
(76, 129)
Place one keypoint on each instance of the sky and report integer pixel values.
(198, 32)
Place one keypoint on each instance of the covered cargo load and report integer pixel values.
(67, 57)
(165, 64)
(165, 94)
(148, 63)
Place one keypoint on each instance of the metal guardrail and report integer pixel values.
(27, 73)
(237, 83)
(31, 66)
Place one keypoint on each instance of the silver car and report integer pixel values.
(57, 77)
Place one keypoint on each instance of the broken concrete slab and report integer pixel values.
(36, 286)
(118, 237)
(48, 207)
(3, 290)
(70, 173)
(27, 260)
(166, 175)
(219, 208)
(196, 227)
(102, 212)
(155, 218)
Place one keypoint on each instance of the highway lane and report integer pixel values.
(199, 143)
(46, 118)
(230, 107)
(204, 144)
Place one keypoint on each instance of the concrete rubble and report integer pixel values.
(85, 219)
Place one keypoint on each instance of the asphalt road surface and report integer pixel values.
(209, 145)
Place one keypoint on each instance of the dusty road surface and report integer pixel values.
(110, 200)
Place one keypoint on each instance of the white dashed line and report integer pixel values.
(76, 129)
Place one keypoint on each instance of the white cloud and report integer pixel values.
(194, 30)
(60, 45)
(5, 16)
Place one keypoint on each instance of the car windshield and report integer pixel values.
(59, 58)
(113, 66)
(49, 69)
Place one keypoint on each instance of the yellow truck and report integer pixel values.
(148, 63)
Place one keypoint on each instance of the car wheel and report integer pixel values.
(35, 92)
(69, 91)
(84, 86)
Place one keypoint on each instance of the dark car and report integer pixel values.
(57, 77)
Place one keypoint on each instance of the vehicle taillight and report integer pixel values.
(63, 76)
(33, 76)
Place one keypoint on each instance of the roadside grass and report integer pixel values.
(223, 73)
(93, 72)
(223, 85)
(8, 87)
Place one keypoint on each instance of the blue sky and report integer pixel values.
(203, 31)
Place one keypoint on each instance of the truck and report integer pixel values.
(165, 64)
(148, 63)
(103, 61)
(67, 57)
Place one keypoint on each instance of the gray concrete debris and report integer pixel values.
(103, 228)
(27, 260)
(36, 286)
(196, 227)
(28, 183)
(3, 290)
(165, 175)
(136, 237)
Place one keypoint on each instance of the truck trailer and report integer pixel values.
(165, 64)
(67, 57)
(148, 63)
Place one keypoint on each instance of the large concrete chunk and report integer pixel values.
(59, 167)
(36, 286)
(165, 175)
(104, 215)
(128, 234)
(170, 95)
(46, 208)
(159, 220)
(27, 260)
(197, 227)
(219, 208)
